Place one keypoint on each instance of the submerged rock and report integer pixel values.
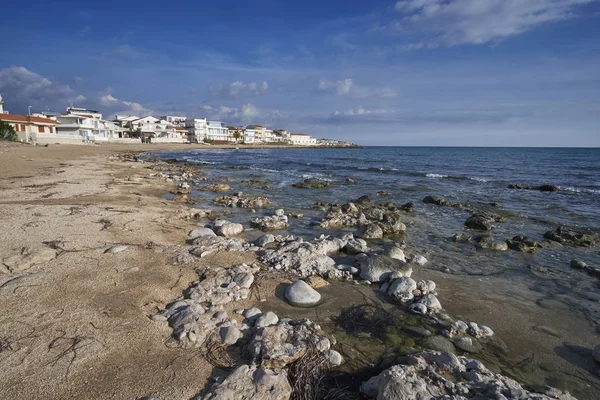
(523, 243)
(312, 184)
(479, 222)
(583, 237)
(216, 187)
(301, 294)
(379, 268)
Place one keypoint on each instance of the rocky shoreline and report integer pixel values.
(238, 307)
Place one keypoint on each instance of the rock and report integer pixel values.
(312, 184)
(426, 286)
(116, 249)
(363, 200)
(379, 268)
(479, 331)
(468, 344)
(433, 375)
(547, 188)
(316, 282)
(266, 319)
(230, 229)
(596, 353)
(216, 187)
(230, 334)
(408, 207)
(396, 252)
(264, 240)
(243, 202)
(356, 246)
(274, 223)
(279, 212)
(252, 314)
(524, 244)
(461, 237)
(431, 302)
(419, 260)
(335, 358)
(201, 232)
(301, 294)
(402, 289)
(436, 201)
(30, 257)
(583, 237)
(578, 264)
(251, 382)
(439, 343)
(371, 231)
(479, 222)
(350, 180)
(418, 308)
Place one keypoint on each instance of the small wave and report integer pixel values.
(436, 176)
(475, 178)
(317, 176)
(578, 190)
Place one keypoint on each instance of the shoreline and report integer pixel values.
(85, 200)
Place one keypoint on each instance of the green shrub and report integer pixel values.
(7, 132)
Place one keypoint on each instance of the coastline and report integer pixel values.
(81, 201)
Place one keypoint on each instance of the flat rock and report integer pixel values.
(301, 294)
(267, 319)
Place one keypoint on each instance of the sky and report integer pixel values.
(404, 73)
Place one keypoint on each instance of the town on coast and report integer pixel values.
(81, 125)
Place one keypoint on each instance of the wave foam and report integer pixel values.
(436, 176)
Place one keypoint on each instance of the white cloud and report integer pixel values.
(347, 87)
(360, 110)
(455, 22)
(239, 88)
(108, 100)
(21, 87)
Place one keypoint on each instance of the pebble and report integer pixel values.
(335, 358)
(116, 249)
(301, 294)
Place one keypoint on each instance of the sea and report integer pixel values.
(478, 177)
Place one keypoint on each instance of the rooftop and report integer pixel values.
(26, 118)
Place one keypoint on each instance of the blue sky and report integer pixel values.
(412, 72)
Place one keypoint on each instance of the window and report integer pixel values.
(40, 129)
(23, 127)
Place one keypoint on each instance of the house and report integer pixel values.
(197, 129)
(216, 131)
(163, 132)
(28, 128)
(235, 135)
(259, 133)
(84, 112)
(250, 134)
(300, 139)
(137, 123)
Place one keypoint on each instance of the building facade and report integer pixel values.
(28, 127)
(197, 129)
(216, 131)
(174, 120)
(300, 139)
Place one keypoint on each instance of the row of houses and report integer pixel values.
(81, 124)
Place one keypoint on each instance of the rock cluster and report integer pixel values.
(312, 184)
(373, 222)
(583, 237)
(243, 202)
(208, 244)
(216, 187)
(277, 222)
(541, 188)
(429, 375)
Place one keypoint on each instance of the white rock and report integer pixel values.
(116, 249)
(279, 212)
(420, 260)
(402, 289)
(201, 232)
(266, 319)
(396, 252)
(301, 294)
(335, 358)
(230, 229)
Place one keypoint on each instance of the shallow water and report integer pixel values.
(565, 300)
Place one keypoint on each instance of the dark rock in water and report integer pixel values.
(436, 201)
(578, 264)
(479, 222)
(583, 237)
(312, 184)
(494, 204)
(461, 238)
(439, 343)
(408, 207)
(350, 180)
(523, 243)
(363, 200)
(517, 186)
(547, 188)
(539, 270)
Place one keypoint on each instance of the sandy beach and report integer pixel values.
(74, 319)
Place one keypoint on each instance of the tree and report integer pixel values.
(7, 132)
(237, 135)
(136, 134)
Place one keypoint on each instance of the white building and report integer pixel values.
(163, 131)
(217, 131)
(174, 120)
(197, 129)
(250, 134)
(2, 106)
(84, 112)
(300, 139)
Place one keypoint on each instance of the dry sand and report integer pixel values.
(76, 326)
